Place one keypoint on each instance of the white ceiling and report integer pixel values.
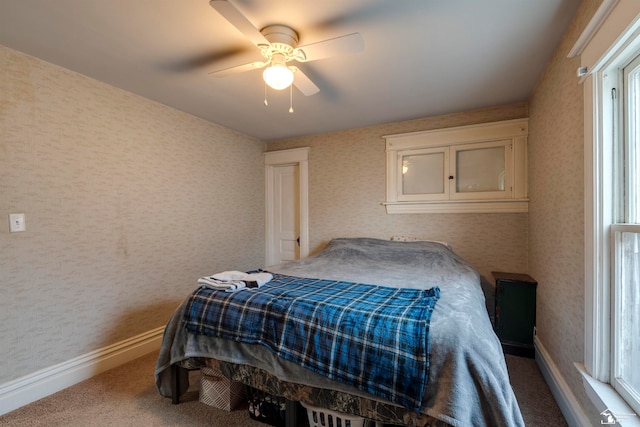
(421, 58)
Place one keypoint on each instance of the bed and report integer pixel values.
(466, 381)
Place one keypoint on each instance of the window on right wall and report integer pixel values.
(625, 238)
(610, 53)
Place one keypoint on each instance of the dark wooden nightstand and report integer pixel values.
(515, 312)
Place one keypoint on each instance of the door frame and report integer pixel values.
(273, 159)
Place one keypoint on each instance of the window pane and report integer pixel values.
(480, 169)
(423, 174)
(633, 148)
(628, 317)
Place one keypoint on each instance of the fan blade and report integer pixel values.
(238, 69)
(351, 43)
(238, 20)
(303, 83)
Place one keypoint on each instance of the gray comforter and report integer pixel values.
(468, 379)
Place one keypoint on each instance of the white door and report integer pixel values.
(286, 208)
(287, 205)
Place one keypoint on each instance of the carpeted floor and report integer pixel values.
(126, 396)
(537, 405)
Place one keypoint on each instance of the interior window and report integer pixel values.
(423, 173)
(480, 169)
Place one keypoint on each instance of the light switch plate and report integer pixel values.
(17, 223)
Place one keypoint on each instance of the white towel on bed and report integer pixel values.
(230, 276)
(233, 280)
(225, 285)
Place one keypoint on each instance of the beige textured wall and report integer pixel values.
(347, 187)
(556, 208)
(127, 203)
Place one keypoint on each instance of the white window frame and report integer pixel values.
(624, 215)
(609, 41)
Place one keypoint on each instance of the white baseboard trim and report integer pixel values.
(44, 382)
(569, 406)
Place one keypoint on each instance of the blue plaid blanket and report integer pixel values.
(372, 337)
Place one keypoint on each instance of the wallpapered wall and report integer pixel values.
(556, 208)
(347, 187)
(127, 203)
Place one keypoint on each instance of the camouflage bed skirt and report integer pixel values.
(324, 398)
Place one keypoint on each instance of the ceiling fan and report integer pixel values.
(279, 47)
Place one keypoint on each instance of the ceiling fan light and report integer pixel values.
(278, 76)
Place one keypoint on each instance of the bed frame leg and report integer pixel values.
(291, 413)
(177, 373)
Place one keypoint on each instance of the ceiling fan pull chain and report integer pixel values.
(291, 99)
(265, 95)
